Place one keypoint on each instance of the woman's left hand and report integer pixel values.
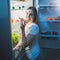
(22, 24)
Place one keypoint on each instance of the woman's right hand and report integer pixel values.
(16, 48)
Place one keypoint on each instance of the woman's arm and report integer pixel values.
(33, 31)
(27, 40)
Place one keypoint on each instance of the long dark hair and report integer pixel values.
(35, 14)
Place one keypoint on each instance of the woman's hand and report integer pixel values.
(22, 23)
(18, 46)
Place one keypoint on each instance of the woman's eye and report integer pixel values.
(31, 14)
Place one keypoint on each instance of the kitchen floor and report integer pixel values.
(51, 54)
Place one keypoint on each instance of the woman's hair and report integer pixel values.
(35, 14)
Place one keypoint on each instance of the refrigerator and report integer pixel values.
(48, 19)
(17, 11)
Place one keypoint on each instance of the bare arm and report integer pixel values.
(27, 40)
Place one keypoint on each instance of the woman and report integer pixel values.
(30, 34)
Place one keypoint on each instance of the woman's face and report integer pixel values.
(29, 15)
